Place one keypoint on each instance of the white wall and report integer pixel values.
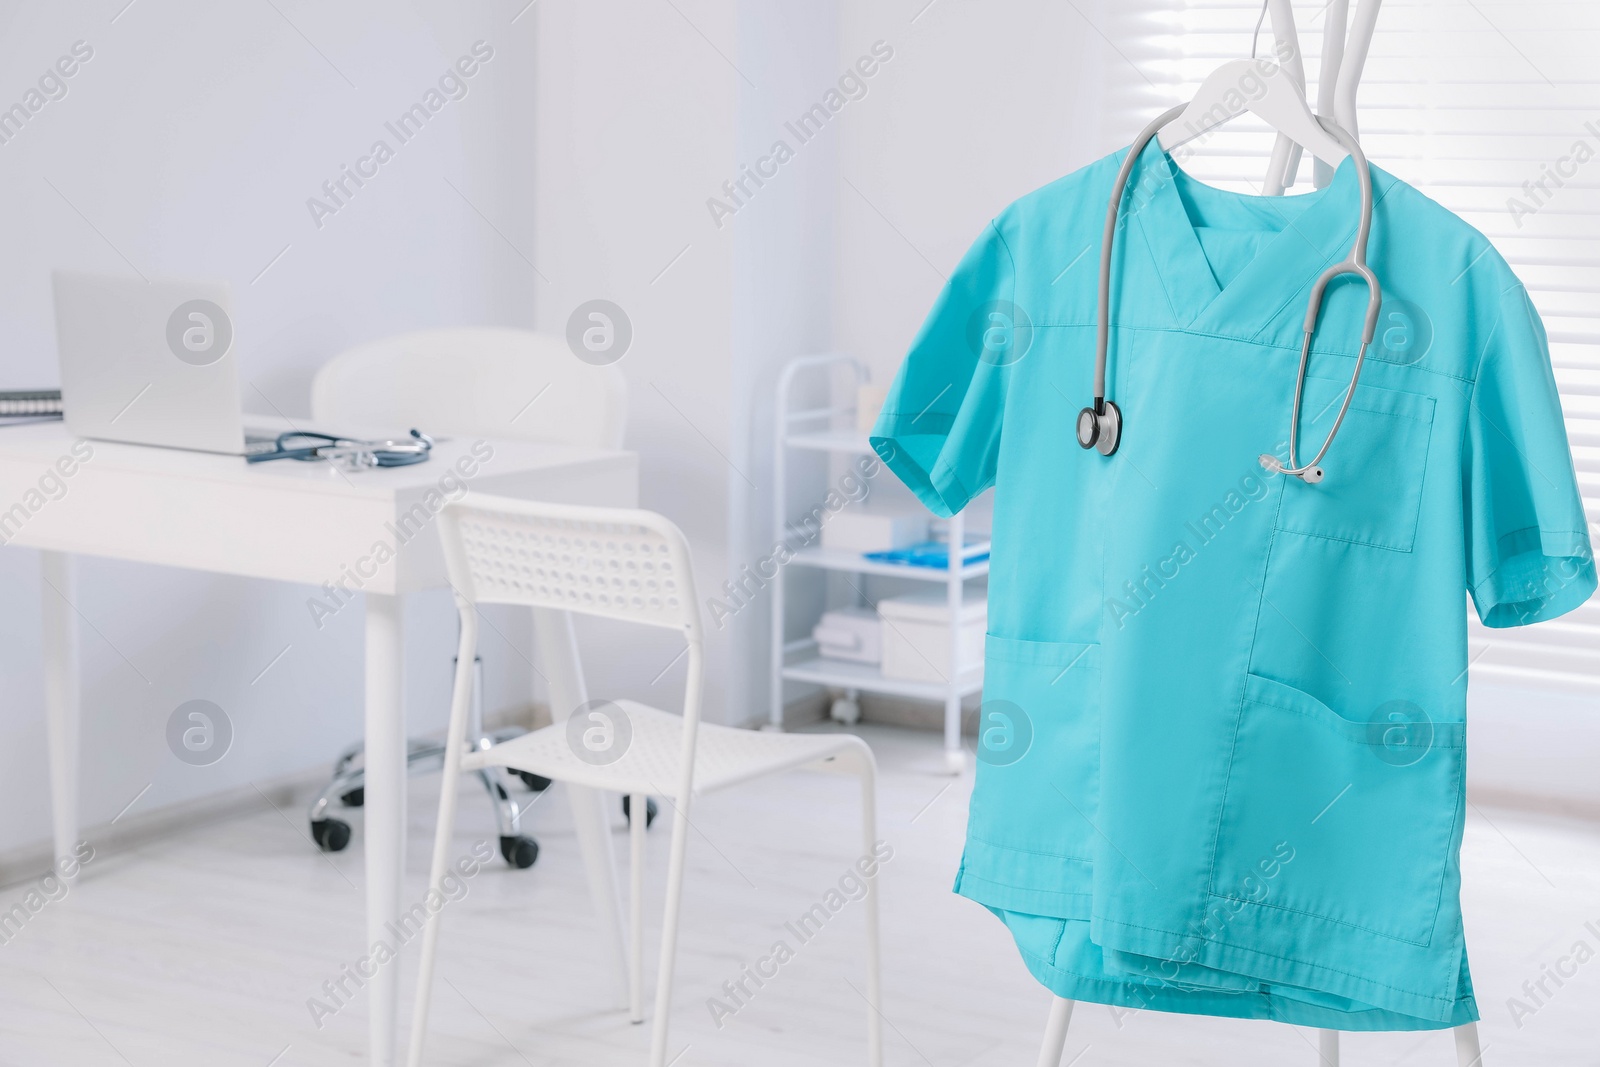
(587, 148)
(188, 145)
(783, 237)
(635, 116)
(578, 166)
(982, 103)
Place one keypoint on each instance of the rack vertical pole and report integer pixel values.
(955, 760)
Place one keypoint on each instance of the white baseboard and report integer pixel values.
(915, 714)
(287, 792)
(30, 861)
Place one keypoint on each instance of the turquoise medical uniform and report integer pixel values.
(1222, 745)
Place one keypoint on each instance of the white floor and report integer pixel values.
(206, 948)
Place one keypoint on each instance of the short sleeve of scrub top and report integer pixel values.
(1527, 552)
(940, 427)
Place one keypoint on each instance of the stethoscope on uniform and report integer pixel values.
(347, 453)
(1100, 425)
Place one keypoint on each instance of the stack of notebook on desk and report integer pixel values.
(29, 405)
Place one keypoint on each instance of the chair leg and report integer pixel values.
(1055, 1032)
(638, 805)
(869, 841)
(1328, 1048)
(1468, 1052)
(454, 743)
(556, 645)
(669, 928)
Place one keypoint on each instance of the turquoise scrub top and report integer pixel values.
(1222, 742)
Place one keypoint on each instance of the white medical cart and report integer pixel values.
(831, 428)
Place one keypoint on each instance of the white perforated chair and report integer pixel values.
(631, 566)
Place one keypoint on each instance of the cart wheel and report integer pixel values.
(331, 835)
(519, 851)
(536, 783)
(845, 710)
(650, 810)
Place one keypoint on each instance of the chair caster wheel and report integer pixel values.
(355, 798)
(536, 783)
(846, 711)
(520, 852)
(650, 810)
(331, 835)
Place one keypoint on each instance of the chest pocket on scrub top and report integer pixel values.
(1372, 494)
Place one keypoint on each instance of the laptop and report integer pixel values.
(151, 363)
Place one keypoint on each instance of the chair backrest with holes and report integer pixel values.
(616, 563)
(498, 383)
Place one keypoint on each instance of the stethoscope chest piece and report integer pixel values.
(1100, 430)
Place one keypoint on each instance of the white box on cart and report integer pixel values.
(916, 636)
(864, 530)
(853, 634)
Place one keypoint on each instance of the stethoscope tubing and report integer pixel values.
(385, 453)
(1108, 239)
(1355, 262)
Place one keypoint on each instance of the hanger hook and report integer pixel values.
(1255, 37)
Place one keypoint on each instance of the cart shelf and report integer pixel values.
(832, 428)
(843, 674)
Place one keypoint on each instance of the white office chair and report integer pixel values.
(631, 566)
(502, 384)
(492, 382)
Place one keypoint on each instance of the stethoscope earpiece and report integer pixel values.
(1273, 465)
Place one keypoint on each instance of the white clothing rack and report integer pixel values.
(1468, 1051)
(1344, 56)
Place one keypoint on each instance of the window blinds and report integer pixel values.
(1492, 108)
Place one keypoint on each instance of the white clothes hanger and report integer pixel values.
(1344, 58)
(1264, 89)
(1285, 152)
(1354, 62)
(1334, 18)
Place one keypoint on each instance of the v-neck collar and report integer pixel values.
(1255, 298)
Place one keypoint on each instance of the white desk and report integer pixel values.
(297, 522)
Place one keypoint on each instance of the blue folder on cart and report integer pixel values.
(932, 554)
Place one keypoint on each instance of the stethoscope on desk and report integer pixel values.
(1100, 425)
(347, 453)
